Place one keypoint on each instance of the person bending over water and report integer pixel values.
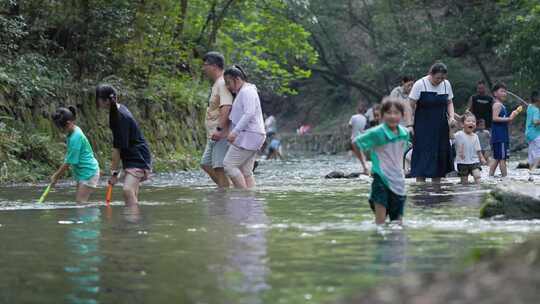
(500, 141)
(129, 145)
(248, 133)
(388, 143)
(79, 156)
(468, 151)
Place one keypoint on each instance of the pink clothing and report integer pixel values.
(141, 174)
(247, 119)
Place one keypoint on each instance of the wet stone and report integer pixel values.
(512, 201)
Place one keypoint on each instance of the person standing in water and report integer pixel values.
(468, 150)
(485, 139)
(481, 104)
(387, 143)
(129, 145)
(217, 120)
(358, 123)
(79, 156)
(431, 97)
(248, 134)
(532, 133)
(402, 93)
(270, 124)
(500, 141)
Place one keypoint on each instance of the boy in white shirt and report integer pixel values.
(468, 150)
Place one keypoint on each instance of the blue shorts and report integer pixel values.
(500, 150)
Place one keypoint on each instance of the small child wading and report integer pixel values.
(485, 138)
(388, 143)
(500, 141)
(468, 151)
(79, 156)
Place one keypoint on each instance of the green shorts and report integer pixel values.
(382, 195)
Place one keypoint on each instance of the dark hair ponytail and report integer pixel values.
(236, 71)
(108, 92)
(63, 115)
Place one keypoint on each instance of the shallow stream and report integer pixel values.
(299, 238)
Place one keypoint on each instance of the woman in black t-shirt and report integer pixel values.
(129, 145)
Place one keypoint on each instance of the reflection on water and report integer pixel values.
(299, 238)
(246, 270)
(83, 267)
(391, 251)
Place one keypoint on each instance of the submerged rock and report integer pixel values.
(335, 174)
(511, 277)
(516, 201)
(340, 174)
(523, 165)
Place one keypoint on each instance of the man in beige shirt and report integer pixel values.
(217, 120)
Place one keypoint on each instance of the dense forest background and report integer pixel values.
(312, 61)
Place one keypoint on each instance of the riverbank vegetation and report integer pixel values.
(53, 53)
(365, 46)
(312, 61)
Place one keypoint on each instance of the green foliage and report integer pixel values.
(53, 53)
(26, 156)
(275, 48)
(520, 26)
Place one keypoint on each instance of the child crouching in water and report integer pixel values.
(79, 156)
(469, 155)
(388, 143)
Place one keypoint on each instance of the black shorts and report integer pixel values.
(467, 169)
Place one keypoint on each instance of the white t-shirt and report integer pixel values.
(369, 114)
(424, 85)
(271, 124)
(467, 148)
(397, 92)
(358, 123)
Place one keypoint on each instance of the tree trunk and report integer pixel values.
(482, 69)
(181, 20)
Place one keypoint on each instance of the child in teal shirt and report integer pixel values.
(532, 132)
(79, 156)
(388, 143)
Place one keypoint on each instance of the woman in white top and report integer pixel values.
(434, 111)
(248, 133)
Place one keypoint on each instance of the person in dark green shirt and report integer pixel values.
(79, 156)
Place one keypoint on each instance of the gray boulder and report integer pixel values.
(513, 201)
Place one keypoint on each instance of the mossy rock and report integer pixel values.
(517, 201)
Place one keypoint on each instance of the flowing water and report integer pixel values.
(299, 238)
